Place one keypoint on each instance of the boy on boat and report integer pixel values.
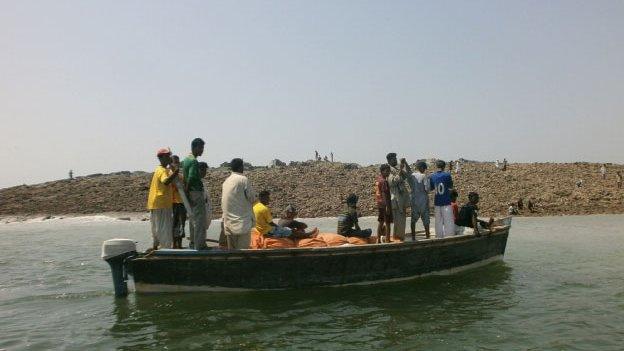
(419, 182)
(160, 201)
(179, 211)
(468, 215)
(298, 228)
(195, 190)
(264, 218)
(237, 199)
(384, 204)
(348, 221)
(442, 183)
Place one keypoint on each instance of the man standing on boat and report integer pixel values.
(237, 200)
(195, 190)
(419, 182)
(442, 184)
(399, 194)
(160, 201)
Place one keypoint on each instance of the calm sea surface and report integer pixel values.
(560, 287)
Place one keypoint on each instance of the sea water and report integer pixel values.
(560, 287)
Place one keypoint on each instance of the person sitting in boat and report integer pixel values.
(298, 228)
(348, 221)
(264, 218)
(468, 215)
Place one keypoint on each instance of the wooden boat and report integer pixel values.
(235, 270)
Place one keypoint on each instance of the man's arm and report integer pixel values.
(355, 221)
(171, 177)
(408, 169)
(250, 194)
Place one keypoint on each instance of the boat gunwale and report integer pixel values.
(315, 251)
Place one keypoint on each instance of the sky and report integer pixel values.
(99, 86)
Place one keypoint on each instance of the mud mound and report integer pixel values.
(318, 189)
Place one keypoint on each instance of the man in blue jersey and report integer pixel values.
(442, 184)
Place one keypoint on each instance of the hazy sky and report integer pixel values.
(98, 86)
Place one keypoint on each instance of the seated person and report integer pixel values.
(298, 228)
(264, 218)
(348, 221)
(468, 215)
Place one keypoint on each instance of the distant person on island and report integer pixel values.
(71, 174)
(316, 155)
(419, 199)
(468, 215)
(458, 167)
(512, 209)
(520, 204)
(384, 203)
(579, 183)
(504, 164)
(618, 176)
(331, 156)
(298, 228)
(237, 199)
(603, 171)
(497, 164)
(264, 218)
(530, 206)
(160, 201)
(179, 211)
(195, 190)
(442, 184)
(325, 159)
(399, 194)
(450, 166)
(348, 221)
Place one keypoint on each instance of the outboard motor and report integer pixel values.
(115, 252)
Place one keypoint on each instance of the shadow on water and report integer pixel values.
(320, 318)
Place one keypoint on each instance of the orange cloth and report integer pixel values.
(332, 239)
(277, 243)
(357, 241)
(311, 242)
(257, 240)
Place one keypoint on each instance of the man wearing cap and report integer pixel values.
(399, 194)
(160, 201)
(237, 199)
(195, 190)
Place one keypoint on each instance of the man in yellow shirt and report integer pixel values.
(160, 201)
(264, 219)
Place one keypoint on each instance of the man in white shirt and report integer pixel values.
(237, 200)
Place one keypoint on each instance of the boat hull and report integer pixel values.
(216, 270)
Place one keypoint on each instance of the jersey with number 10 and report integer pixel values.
(442, 184)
